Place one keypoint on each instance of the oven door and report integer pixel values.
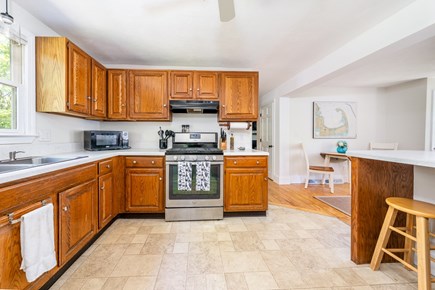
(194, 198)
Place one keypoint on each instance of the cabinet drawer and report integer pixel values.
(152, 162)
(105, 167)
(260, 161)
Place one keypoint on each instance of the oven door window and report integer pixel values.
(213, 193)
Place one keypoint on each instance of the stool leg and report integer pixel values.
(423, 254)
(409, 255)
(384, 235)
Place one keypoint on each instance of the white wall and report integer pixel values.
(296, 126)
(144, 134)
(61, 134)
(404, 114)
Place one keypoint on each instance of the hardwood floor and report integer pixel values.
(296, 196)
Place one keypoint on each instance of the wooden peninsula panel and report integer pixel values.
(372, 182)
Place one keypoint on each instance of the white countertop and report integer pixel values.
(99, 155)
(412, 157)
(247, 152)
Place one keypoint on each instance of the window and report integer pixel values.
(10, 83)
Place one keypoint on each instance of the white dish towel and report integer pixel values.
(37, 242)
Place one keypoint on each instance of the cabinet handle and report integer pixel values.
(197, 89)
(164, 105)
(122, 105)
(95, 100)
(65, 208)
(258, 162)
(88, 97)
(223, 106)
(107, 166)
(235, 162)
(152, 162)
(102, 188)
(265, 179)
(160, 178)
(134, 161)
(190, 89)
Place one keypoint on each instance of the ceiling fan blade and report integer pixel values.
(226, 10)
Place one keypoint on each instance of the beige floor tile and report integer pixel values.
(171, 281)
(270, 245)
(373, 277)
(299, 244)
(289, 280)
(204, 264)
(271, 235)
(215, 282)
(260, 280)
(223, 236)
(139, 239)
(237, 228)
(180, 227)
(353, 288)
(114, 283)
(181, 248)
(73, 284)
(189, 237)
(221, 228)
(210, 237)
(162, 229)
(196, 282)
(125, 239)
(137, 265)
(396, 287)
(144, 230)
(89, 250)
(140, 283)
(350, 277)
(204, 248)
(236, 281)
(246, 241)
(398, 273)
(243, 262)
(303, 260)
(277, 261)
(94, 284)
(159, 244)
(133, 249)
(173, 263)
(226, 246)
(74, 267)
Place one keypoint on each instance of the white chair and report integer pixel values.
(325, 170)
(383, 146)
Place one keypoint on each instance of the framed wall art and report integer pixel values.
(332, 120)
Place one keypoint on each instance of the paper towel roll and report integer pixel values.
(239, 125)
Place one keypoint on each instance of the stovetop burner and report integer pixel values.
(194, 151)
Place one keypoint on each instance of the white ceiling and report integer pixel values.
(279, 38)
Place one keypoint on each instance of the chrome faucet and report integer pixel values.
(13, 154)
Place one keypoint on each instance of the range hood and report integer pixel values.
(194, 106)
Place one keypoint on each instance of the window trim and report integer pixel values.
(26, 97)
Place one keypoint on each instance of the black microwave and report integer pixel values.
(105, 140)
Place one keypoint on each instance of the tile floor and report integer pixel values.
(288, 249)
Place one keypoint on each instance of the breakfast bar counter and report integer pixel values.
(376, 175)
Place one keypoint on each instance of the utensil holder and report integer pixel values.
(163, 144)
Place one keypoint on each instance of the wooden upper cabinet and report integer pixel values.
(181, 85)
(65, 79)
(79, 80)
(99, 96)
(187, 85)
(117, 94)
(206, 85)
(148, 95)
(238, 96)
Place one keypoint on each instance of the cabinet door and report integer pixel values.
(105, 200)
(239, 96)
(181, 85)
(79, 80)
(206, 85)
(245, 189)
(117, 94)
(148, 95)
(99, 97)
(145, 190)
(77, 218)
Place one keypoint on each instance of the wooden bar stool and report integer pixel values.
(422, 211)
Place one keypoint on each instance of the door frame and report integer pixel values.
(271, 159)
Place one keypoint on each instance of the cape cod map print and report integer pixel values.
(334, 120)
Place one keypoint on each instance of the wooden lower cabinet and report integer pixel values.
(145, 190)
(245, 184)
(78, 218)
(105, 200)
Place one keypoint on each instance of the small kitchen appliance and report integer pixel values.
(194, 182)
(105, 140)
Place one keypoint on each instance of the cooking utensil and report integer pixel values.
(160, 132)
(169, 133)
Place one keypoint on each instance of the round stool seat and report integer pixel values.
(414, 207)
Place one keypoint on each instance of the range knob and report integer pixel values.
(182, 158)
(214, 158)
(175, 157)
(207, 158)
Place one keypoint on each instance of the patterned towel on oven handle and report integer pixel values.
(203, 176)
(185, 176)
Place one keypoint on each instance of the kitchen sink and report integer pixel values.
(29, 162)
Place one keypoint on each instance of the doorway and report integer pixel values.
(266, 135)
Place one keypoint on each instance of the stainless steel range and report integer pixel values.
(194, 183)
